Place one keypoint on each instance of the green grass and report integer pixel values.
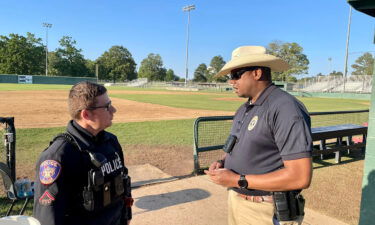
(334, 104)
(31, 141)
(33, 87)
(207, 102)
(210, 102)
(166, 132)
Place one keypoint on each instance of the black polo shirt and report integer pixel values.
(275, 128)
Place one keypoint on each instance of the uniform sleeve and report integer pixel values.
(292, 131)
(50, 197)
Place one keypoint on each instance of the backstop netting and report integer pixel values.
(210, 134)
(320, 119)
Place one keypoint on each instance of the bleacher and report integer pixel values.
(353, 84)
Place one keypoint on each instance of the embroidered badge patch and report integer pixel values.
(252, 123)
(46, 199)
(49, 171)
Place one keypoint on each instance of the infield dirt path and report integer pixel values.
(35, 109)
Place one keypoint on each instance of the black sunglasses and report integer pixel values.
(106, 106)
(236, 74)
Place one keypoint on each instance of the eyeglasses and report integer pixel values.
(236, 74)
(106, 106)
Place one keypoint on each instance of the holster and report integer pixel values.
(288, 205)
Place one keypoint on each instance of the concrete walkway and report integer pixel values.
(162, 199)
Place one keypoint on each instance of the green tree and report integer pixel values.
(91, 67)
(170, 76)
(152, 68)
(292, 53)
(117, 64)
(52, 61)
(200, 73)
(336, 73)
(68, 60)
(217, 62)
(364, 65)
(21, 55)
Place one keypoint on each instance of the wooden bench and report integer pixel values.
(338, 132)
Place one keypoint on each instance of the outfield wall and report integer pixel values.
(332, 95)
(37, 79)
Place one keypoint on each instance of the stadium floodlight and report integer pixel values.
(187, 9)
(47, 25)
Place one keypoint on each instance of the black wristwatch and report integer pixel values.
(242, 182)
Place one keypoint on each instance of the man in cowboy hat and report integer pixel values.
(268, 159)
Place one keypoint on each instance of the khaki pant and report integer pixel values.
(244, 212)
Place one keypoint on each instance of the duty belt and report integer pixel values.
(258, 199)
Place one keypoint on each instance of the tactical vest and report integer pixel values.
(98, 194)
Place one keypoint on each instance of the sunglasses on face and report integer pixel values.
(236, 74)
(106, 106)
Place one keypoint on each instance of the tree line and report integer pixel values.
(26, 55)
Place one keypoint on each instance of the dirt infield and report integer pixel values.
(36, 109)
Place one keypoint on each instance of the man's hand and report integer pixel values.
(215, 166)
(223, 177)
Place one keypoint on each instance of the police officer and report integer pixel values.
(268, 159)
(81, 177)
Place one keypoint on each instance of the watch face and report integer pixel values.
(242, 182)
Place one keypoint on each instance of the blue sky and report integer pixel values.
(216, 28)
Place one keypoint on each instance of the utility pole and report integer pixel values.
(347, 47)
(47, 25)
(187, 9)
(97, 73)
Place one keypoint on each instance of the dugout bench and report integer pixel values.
(210, 134)
(337, 134)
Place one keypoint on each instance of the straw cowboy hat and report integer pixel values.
(246, 56)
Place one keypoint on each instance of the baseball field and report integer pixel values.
(155, 126)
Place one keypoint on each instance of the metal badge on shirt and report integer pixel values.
(252, 123)
(49, 171)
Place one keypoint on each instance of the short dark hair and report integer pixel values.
(266, 71)
(83, 96)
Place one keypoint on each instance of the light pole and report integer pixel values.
(347, 47)
(187, 9)
(47, 25)
(330, 65)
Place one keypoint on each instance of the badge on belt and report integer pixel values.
(49, 171)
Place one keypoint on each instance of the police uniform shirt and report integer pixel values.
(62, 174)
(275, 128)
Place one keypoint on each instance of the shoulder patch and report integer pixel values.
(46, 199)
(49, 171)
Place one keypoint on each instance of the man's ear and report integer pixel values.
(258, 74)
(85, 114)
